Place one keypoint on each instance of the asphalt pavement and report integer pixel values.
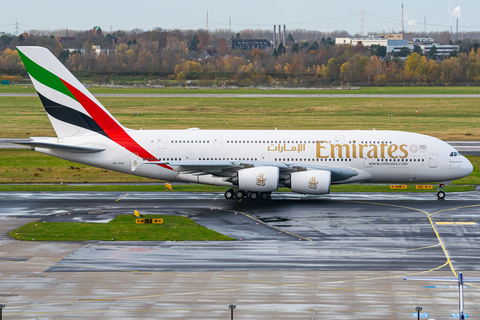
(341, 256)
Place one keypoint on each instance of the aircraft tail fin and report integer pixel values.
(71, 108)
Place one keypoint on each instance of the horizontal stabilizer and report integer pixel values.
(58, 146)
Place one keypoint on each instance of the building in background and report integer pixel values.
(393, 45)
(97, 31)
(396, 36)
(65, 39)
(96, 50)
(396, 41)
(249, 44)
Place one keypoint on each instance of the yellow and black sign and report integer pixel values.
(424, 187)
(398, 186)
(146, 221)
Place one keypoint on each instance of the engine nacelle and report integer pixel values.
(310, 182)
(259, 179)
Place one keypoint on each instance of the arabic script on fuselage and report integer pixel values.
(354, 150)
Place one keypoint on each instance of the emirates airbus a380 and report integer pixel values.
(250, 163)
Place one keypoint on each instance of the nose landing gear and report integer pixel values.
(441, 193)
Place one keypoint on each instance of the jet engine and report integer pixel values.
(309, 182)
(258, 179)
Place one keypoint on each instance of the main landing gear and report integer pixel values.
(441, 193)
(240, 194)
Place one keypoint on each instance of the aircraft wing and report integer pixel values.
(229, 168)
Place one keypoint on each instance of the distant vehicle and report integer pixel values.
(250, 163)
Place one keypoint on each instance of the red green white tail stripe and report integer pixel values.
(71, 108)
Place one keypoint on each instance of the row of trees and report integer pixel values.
(178, 55)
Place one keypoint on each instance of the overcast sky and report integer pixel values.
(190, 14)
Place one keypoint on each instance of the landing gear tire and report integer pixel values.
(264, 195)
(229, 194)
(253, 195)
(240, 194)
(441, 195)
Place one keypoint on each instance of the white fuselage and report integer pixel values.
(377, 156)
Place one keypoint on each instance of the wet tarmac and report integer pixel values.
(300, 257)
(344, 231)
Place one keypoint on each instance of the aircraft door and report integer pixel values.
(218, 142)
(265, 156)
(189, 156)
(162, 142)
(433, 159)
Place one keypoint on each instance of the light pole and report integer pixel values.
(231, 307)
(418, 309)
(1, 309)
(460, 280)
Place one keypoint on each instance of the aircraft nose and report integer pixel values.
(467, 165)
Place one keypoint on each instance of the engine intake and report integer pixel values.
(258, 179)
(310, 182)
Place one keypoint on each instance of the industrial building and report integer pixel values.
(392, 45)
(396, 41)
(250, 44)
(442, 49)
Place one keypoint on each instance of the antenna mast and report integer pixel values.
(206, 22)
(425, 25)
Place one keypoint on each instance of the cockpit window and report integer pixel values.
(454, 154)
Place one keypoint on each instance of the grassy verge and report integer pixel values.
(444, 118)
(362, 90)
(122, 228)
(206, 188)
(26, 166)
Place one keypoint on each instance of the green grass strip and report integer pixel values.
(122, 228)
